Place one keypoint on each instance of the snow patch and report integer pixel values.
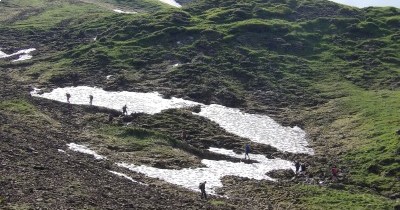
(23, 57)
(127, 177)
(123, 12)
(23, 54)
(84, 149)
(258, 128)
(150, 103)
(172, 3)
(63, 151)
(214, 171)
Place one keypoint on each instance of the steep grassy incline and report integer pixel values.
(332, 69)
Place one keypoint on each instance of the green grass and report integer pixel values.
(139, 5)
(314, 197)
(58, 12)
(375, 158)
(18, 107)
(217, 203)
(135, 138)
(26, 111)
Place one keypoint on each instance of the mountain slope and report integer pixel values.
(333, 70)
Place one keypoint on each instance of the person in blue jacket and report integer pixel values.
(247, 151)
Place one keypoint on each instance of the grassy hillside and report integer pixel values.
(333, 70)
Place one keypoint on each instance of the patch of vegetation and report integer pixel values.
(139, 5)
(217, 203)
(315, 197)
(60, 14)
(375, 161)
(135, 138)
(18, 107)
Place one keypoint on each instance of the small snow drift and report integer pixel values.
(123, 12)
(23, 54)
(84, 149)
(172, 3)
(127, 177)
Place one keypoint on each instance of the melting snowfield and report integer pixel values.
(149, 103)
(214, 171)
(23, 54)
(258, 128)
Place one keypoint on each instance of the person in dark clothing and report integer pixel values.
(303, 168)
(247, 151)
(202, 187)
(297, 165)
(90, 100)
(68, 96)
(335, 172)
(124, 110)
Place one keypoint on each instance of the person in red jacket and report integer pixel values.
(335, 172)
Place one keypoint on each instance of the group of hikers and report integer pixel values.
(124, 108)
(301, 170)
(68, 95)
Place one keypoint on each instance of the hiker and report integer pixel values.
(335, 172)
(303, 168)
(68, 96)
(297, 165)
(183, 135)
(202, 187)
(90, 100)
(124, 112)
(247, 151)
